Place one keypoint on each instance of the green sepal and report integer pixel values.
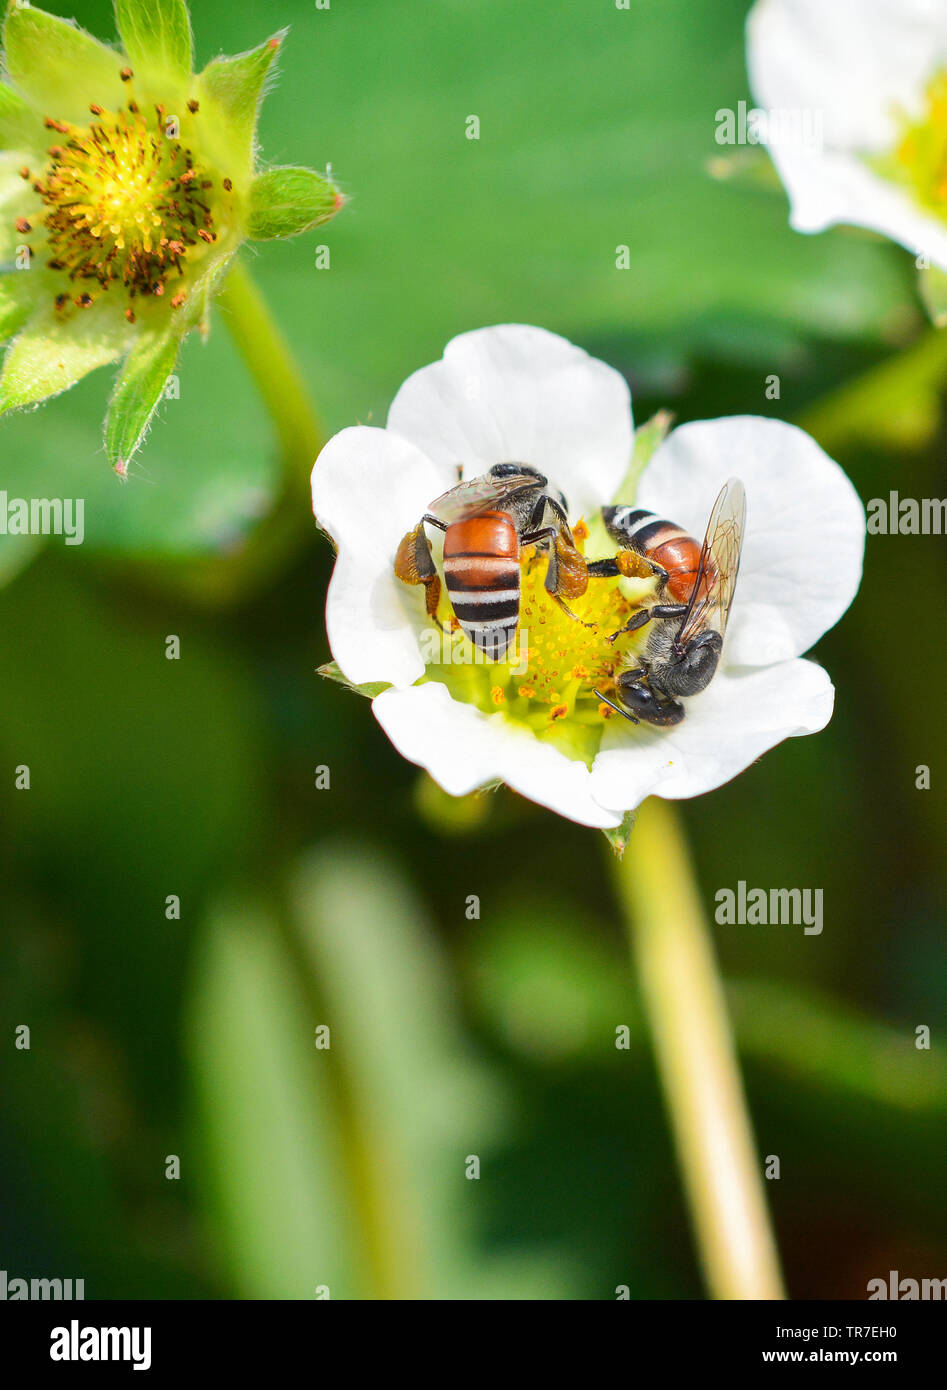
(647, 439)
(619, 835)
(331, 672)
(13, 313)
(57, 66)
(932, 284)
(138, 390)
(235, 88)
(285, 202)
(156, 35)
(50, 355)
(20, 127)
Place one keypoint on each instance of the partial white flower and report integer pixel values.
(514, 393)
(875, 71)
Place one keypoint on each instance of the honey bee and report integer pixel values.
(486, 522)
(695, 593)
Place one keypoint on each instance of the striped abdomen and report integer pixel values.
(667, 544)
(482, 574)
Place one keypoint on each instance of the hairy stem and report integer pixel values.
(275, 371)
(699, 1072)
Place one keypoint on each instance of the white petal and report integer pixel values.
(369, 488)
(856, 61)
(737, 718)
(464, 749)
(857, 64)
(839, 188)
(805, 527)
(519, 394)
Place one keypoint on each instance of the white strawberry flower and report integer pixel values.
(875, 71)
(514, 393)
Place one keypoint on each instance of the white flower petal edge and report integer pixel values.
(858, 62)
(368, 489)
(463, 749)
(737, 718)
(513, 393)
(805, 530)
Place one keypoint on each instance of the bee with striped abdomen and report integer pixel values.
(486, 522)
(695, 592)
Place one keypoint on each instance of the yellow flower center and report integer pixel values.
(126, 202)
(920, 159)
(548, 678)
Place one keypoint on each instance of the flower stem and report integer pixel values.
(282, 534)
(275, 371)
(896, 403)
(703, 1090)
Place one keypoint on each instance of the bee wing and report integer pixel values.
(718, 566)
(466, 499)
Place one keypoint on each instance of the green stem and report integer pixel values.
(896, 403)
(279, 537)
(275, 371)
(696, 1060)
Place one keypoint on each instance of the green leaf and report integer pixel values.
(59, 67)
(284, 202)
(156, 34)
(51, 355)
(137, 392)
(932, 284)
(397, 1037)
(272, 1159)
(20, 127)
(234, 87)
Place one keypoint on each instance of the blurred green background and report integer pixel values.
(345, 907)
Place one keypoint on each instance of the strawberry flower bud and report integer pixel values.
(127, 185)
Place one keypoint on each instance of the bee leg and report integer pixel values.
(414, 564)
(627, 564)
(644, 615)
(566, 572)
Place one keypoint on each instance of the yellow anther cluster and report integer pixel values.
(125, 202)
(921, 155)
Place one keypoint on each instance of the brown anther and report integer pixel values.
(22, 225)
(83, 301)
(228, 185)
(206, 236)
(61, 301)
(96, 109)
(158, 290)
(24, 172)
(126, 74)
(178, 299)
(130, 315)
(187, 176)
(133, 107)
(193, 107)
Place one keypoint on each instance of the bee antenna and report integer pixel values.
(617, 708)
